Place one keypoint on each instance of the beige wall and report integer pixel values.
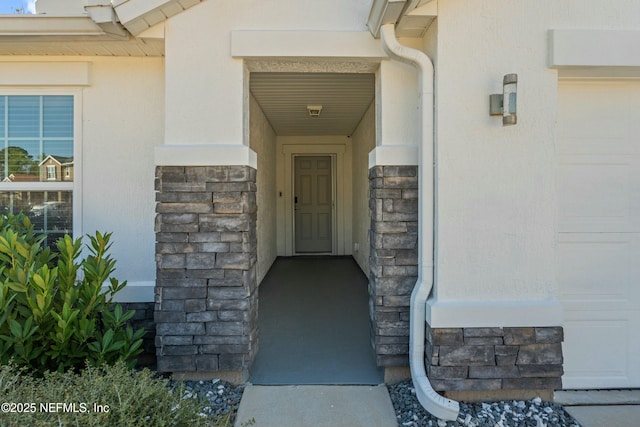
(120, 122)
(363, 140)
(205, 101)
(496, 186)
(263, 142)
(123, 122)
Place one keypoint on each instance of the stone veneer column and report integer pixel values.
(393, 259)
(480, 360)
(206, 291)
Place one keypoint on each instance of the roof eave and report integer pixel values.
(47, 26)
(139, 15)
(411, 17)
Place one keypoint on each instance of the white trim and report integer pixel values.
(394, 155)
(205, 155)
(337, 150)
(305, 44)
(45, 25)
(486, 314)
(595, 53)
(78, 162)
(38, 186)
(45, 74)
(142, 291)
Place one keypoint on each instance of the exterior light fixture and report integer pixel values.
(314, 110)
(504, 104)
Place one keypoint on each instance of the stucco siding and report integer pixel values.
(496, 186)
(263, 142)
(204, 100)
(363, 140)
(122, 123)
(122, 120)
(495, 230)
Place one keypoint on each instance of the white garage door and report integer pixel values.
(599, 232)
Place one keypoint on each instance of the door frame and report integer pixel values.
(337, 154)
(333, 203)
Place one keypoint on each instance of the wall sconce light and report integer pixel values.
(314, 110)
(504, 104)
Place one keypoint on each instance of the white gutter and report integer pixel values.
(436, 404)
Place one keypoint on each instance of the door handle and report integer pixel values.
(295, 199)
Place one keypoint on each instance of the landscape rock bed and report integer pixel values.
(513, 413)
(223, 398)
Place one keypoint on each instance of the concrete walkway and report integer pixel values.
(316, 406)
(602, 408)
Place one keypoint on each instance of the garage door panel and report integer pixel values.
(593, 101)
(597, 270)
(586, 365)
(598, 182)
(597, 194)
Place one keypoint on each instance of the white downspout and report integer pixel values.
(436, 404)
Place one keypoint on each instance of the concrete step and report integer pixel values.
(601, 408)
(316, 406)
(597, 397)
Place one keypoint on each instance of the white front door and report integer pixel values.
(313, 201)
(599, 232)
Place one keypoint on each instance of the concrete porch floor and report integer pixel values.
(314, 327)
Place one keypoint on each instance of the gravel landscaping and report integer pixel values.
(223, 398)
(514, 413)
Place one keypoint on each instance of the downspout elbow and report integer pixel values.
(433, 402)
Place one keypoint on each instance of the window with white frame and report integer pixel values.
(36, 137)
(51, 172)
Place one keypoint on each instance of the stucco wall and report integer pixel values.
(363, 140)
(263, 142)
(496, 191)
(202, 72)
(122, 101)
(123, 122)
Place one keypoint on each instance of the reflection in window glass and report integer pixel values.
(35, 133)
(36, 161)
(57, 117)
(49, 211)
(24, 116)
(51, 173)
(21, 164)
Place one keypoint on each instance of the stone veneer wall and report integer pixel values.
(206, 291)
(393, 259)
(462, 359)
(143, 318)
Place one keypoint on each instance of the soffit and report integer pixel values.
(139, 15)
(46, 35)
(66, 47)
(283, 97)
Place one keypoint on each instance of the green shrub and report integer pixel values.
(54, 314)
(96, 397)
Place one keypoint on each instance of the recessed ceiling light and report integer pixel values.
(314, 110)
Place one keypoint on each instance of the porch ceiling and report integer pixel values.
(284, 97)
